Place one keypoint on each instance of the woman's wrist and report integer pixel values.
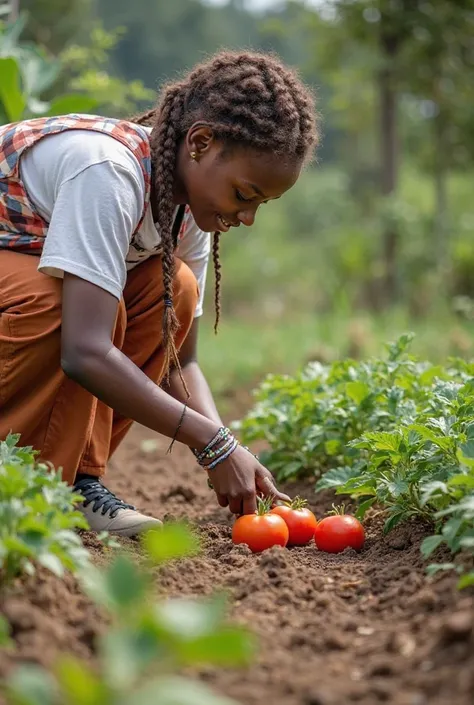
(218, 449)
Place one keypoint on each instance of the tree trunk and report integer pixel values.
(388, 149)
(441, 198)
(389, 179)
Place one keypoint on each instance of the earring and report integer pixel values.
(193, 156)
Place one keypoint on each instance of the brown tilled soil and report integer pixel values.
(362, 628)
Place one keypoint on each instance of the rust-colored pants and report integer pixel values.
(55, 415)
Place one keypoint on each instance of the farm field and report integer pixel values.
(349, 628)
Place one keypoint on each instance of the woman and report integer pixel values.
(104, 241)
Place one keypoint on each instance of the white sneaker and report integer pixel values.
(105, 512)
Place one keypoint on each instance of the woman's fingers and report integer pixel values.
(222, 499)
(266, 484)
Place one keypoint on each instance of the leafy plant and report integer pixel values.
(37, 516)
(395, 431)
(27, 72)
(147, 641)
(310, 420)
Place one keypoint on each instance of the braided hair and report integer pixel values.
(249, 99)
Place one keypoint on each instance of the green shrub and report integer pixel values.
(395, 431)
(37, 516)
(147, 642)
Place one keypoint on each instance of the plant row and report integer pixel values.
(394, 431)
(148, 642)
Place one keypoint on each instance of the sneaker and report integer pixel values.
(105, 512)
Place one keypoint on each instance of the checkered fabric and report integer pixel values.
(21, 226)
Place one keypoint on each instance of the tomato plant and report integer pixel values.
(261, 530)
(339, 531)
(394, 431)
(300, 521)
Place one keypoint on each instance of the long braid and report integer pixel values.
(217, 279)
(249, 99)
(164, 151)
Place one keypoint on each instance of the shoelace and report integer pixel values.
(94, 491)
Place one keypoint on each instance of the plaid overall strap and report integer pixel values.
(21, 226)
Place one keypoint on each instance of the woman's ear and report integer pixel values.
(199, 139)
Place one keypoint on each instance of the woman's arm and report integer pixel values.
(89, 357)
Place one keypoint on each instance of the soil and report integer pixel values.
(363, 628)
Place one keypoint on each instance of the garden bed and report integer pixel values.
(352, 628)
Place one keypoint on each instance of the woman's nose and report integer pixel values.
(247, 217)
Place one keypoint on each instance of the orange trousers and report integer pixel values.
(69, 426)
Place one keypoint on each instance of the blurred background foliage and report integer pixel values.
(376, 237)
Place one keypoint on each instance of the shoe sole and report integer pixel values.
(131, 531)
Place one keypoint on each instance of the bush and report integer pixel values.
(37, 516)
(146, 643)
(394, 431)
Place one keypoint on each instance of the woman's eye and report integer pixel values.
(240, 197)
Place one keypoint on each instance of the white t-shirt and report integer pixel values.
(90, 188)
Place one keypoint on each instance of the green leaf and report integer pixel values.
(5, 640)
(393, 520)
(170, 541)
(10, 92)
(461, 480)
(467, 449)
(176, 691)
(466, 581)
(228, 647)
(434, 568)
(332, 447)
(72, 103)
(385, 441)
(428, 375)
(126, 583)
(467, 541)
(78, 682)
(364, 506)
(430, 435)
(128, 651)
(39, 71)
(430, 544)
(465, 460)
(31, 685)
(289, 470)
(397, 487)
(52, 563)
(357, 391)
(336, 477)
(187, 619)
(451, 528)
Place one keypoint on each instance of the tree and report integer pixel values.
(407, 47)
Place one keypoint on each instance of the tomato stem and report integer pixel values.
(264, 504)
(338, 510)
(298, 503)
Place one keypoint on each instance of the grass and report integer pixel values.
(245, 350)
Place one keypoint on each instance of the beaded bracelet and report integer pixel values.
(222, 434)
(216, 455)
(221, 458)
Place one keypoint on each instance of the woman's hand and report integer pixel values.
(237, 480)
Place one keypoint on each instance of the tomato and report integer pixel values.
(260, 530)
(335, 533)
(300, 521)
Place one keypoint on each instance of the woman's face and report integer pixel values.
(225, 188)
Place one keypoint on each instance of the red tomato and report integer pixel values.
(300, 520)
(261, 530)
(335, 533)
